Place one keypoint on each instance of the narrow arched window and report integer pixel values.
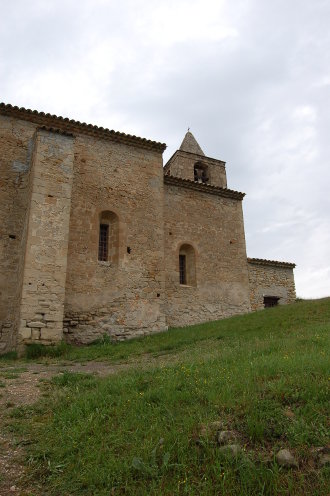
(187, 265)
(201, 173)
(108, 249)
(104, 242)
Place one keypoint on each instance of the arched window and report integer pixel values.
(108, 249)
(187, 265)
(201, 172)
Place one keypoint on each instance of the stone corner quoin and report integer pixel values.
(97, 237)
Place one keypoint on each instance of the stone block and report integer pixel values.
(35, 335)
(50, 334)
(25, 333)
(36, 323)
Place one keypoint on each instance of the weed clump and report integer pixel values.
(10, 355)
(36, 350)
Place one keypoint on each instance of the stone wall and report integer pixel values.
(59, 183)
(45, 261)
(122, 297)
(213, 226)
(16, 145)
(270, 278)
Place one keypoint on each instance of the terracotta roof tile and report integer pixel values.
(205, 188)
(66, 125)
(261, 261)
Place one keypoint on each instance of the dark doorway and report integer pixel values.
(270, 301)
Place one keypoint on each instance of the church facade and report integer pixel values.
(97, 237)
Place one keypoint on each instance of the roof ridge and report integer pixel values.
(72, 125)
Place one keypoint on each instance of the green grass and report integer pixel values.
(36, 350)
(280, 320)
(9, 356)
(137, 432)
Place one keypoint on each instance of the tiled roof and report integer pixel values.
(65, 125)
(205, 188)
(261, 261)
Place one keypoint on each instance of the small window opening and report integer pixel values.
(103, 242)
(183, 272)
(201, 173)
(270, 301)
(187, 265)
(108, 247)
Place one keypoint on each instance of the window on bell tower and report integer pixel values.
(201, 173)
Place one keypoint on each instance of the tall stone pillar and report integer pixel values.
(44, 273)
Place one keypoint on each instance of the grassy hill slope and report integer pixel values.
(148, 431)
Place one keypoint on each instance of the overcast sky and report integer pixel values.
(250, 77)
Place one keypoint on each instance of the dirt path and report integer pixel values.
(20, 384)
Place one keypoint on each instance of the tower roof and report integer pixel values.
(189, 144)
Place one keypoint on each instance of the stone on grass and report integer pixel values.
(286, 459)
(216, 425)
(226, 437)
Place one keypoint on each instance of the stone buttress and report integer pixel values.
(45, 255)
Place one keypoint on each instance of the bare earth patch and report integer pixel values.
(22, 386)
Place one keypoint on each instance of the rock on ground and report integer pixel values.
(225, 437)
(286, 459)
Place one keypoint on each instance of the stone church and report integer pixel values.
(97, 237)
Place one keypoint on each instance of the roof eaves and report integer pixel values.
(277, 263)
(205, 188)
(73, 127)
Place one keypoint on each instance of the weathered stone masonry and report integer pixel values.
(174, 238)
(213, 225)
(270, 278)
(45, 260)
